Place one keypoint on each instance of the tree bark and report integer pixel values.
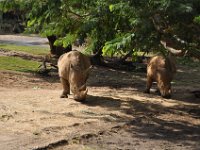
(129, 54)
(57, 50)
(97, 58)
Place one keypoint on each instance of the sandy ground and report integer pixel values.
(116, 114)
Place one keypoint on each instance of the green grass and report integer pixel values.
(18, 64)
(36, 50)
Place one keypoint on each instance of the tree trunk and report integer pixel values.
(123, 59)
(57, 50)
(97, 58)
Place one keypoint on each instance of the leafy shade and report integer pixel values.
(114, 26)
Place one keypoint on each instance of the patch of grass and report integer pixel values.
(36, 50)
(18, 64)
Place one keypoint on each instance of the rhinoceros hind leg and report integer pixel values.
(66, 88)
(158, 92)
(148, 84)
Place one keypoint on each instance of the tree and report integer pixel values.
(116, 27)
(12, 15)
(47, 18)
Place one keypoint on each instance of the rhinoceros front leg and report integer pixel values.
(66, 88)
(148, 84)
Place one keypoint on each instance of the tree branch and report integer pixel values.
(172, 50)
(77, 15)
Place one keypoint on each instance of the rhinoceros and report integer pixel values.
(162, 69)
(73, 69)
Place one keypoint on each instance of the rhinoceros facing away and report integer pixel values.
(73, 69)
(162, 70)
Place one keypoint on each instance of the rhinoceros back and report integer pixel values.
(74, 58)
(161, 65)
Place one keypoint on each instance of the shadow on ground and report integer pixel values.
(153, 121)
(149, 119)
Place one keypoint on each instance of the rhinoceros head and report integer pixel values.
(165, 90)
(77, 79)
(81, 94)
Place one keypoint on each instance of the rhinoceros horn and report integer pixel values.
(83, 87)
(88, 70)
(85, 92)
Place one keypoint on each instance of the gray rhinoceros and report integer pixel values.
(73, 69)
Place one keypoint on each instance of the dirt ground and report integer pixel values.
(117, 115)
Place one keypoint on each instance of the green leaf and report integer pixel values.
(111, 7)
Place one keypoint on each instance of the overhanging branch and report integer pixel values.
(76, 14)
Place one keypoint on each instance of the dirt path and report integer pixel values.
(32, 40)
(116, 115)
(24, 40)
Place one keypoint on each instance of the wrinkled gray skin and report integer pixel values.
(161, 70)
(74, 68)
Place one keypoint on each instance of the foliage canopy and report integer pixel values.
(113, 26)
